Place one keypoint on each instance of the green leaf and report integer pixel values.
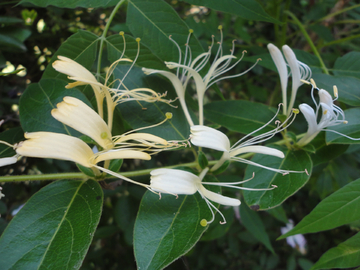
(80, 47)
(351, 129)
(323, 151)
(11, 136)
(9, 20)
(142, 114)
(154, 21)
(247, 9)
(37, 102)
(348, 65)
(341, 207)
(166, 229)
(115, 48)
(349, 92)
(345, 255)
(55, 227)
(240, 115)
(73, 3)
(255, 226)
(287, 184)
(8, 42)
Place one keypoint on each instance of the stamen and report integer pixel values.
(335, 92)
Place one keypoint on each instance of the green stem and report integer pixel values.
(337, 13)
(341, 40)
(102, 38)
(285, 25)
(307, 37)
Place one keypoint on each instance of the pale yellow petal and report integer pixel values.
(76, 114)
(121, 154)
(57, 146)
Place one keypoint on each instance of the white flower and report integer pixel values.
(331, 115)
(208, 137)
(1, 194)
(179, 182)
(297, 241)
(299, 71)
(188, 68)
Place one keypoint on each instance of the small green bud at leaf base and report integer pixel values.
(222, 168)
(203, 162)
(203, 222)
(115, 165)
(87, 171)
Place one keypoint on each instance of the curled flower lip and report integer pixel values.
(331, 115)
(179, 182)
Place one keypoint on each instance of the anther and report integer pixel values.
(335, 91)
(313, 82)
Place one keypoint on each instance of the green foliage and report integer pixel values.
(64, 214)
(57, 227)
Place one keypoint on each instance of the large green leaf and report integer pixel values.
(166, 229)
(115, 48)
(72, 3)
(341, 207)
(247, 9)
(348, 65)
(145, 114)
(80, 47)
(349, 92)
(287, 184)
(345, 255)
(55, 227)
(254, 225)
(240, 115)
(37, 102)
(154, 21)
(351, 129)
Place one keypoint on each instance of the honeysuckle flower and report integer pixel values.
(1, 194)
(188, 68)
(114, 94)
(297, 241)
(331, 115)
(298, 71)
(211, 138)
(179, 182)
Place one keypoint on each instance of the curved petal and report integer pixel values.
(173, 181)
(313, 128)
(280, 64)
(218, 198)
(8, 161)
(326, 98)
(57, 146)
(141, 137)
(76, 114)
(121, 154)
(73, 69)
(258, 149)
(208, 137)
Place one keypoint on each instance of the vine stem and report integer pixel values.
(102, 38)
(307, 37)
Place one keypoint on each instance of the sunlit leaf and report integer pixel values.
(345, 255)
(339, 208)
(287, 184)
(55, 227)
